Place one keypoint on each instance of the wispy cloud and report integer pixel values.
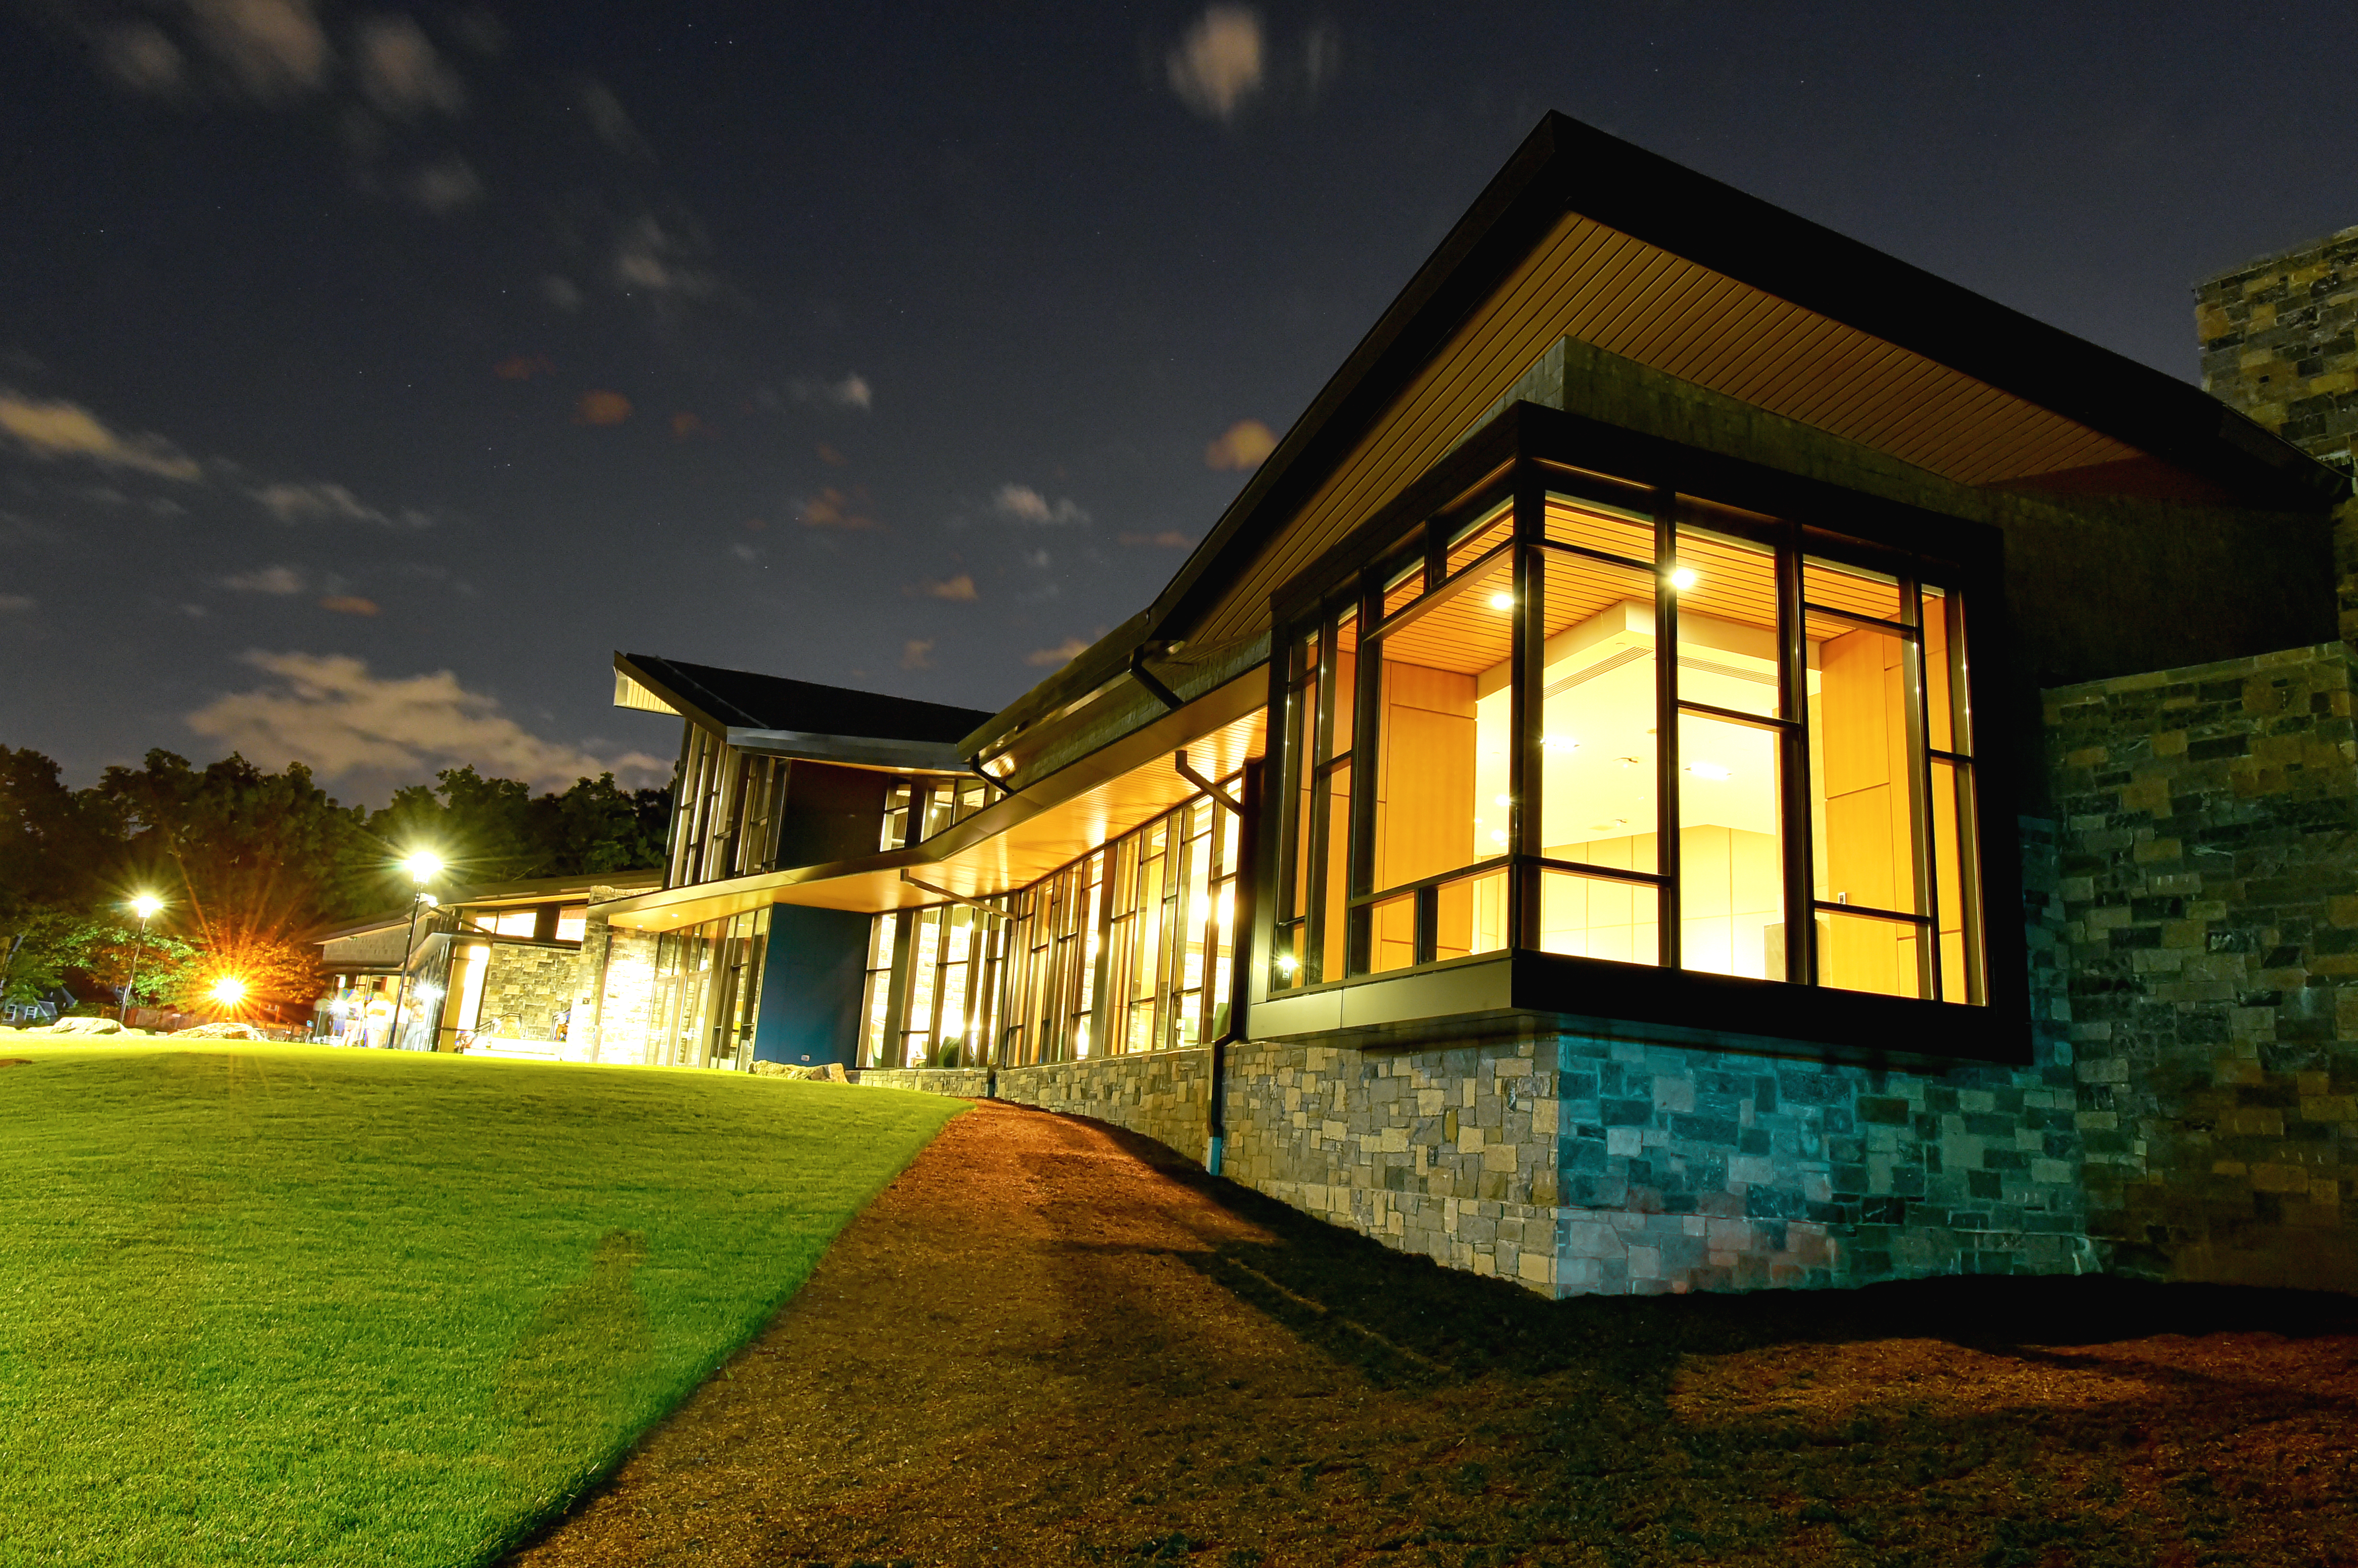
(601, 409)
(831, 508)
(958, 589)
(273, 50)
(1064, 653)
(1022, 504)
(1241, 447)
(917, 654)
(664, 262)
(15, 603)
(446, 186)
(328, 710)
(1169, 539)
(61, 429)
(1217, 63)
(608, 121)
(349, 604)
(851, 392)
(400, 73)
(324, 502)
(281, 580)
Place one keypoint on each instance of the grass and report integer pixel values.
(268, 1304)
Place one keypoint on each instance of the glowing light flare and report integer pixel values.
(228, 991)
(1502, 601)
(145, 905)
(1559, 743)
(1682, 577)
(423, 867)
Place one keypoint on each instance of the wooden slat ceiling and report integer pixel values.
(1604, 287)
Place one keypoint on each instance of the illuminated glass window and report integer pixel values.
(1616, 722)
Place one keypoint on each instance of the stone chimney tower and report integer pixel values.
(2278, 343)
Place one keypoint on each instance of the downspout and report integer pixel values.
(1240, 925)
(1163, 694)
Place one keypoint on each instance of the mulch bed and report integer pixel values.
(1051, 1342)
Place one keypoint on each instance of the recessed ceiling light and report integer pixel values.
(1682, 577)
(1502, 601)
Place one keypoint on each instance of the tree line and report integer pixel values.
(251, 867)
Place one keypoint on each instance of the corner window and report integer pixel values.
(1575, 715)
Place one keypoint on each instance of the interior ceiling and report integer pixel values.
(1585, 280)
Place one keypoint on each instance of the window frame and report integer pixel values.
(1526, 453)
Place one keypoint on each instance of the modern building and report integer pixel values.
(490, 968)
(1707, 757)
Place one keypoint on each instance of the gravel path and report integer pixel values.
(1051, 1341)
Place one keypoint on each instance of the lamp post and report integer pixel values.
(145, 906)
(421, 867)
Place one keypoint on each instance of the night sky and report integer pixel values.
(369, 373)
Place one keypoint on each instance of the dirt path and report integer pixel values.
(1050, 1342)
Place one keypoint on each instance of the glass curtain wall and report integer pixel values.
(707, 993)
(1129, 948)
(1611, 721)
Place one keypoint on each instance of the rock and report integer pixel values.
(85, 1026)
(217, 1032)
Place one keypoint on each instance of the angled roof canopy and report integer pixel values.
(1585, 235)
(800, 718)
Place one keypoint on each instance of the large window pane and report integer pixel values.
(1594, 918)
(1869, 828)
(1727, 623)
(1862, 953)
(1427, 819)
(1598, 716)
(1731, 848)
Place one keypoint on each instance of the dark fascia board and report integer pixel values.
(686, 688)
(852, 752)
(534, 889)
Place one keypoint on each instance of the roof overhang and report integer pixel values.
(850, 751)
(1010, 843)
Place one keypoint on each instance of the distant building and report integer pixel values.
(1708, 757)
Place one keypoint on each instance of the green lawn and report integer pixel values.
(266, 1303)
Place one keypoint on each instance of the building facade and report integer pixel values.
(1707, 758)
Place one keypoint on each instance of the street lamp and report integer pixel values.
(145, 906)
(422, 868)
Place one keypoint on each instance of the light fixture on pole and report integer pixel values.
(145, 906)
(422, 868)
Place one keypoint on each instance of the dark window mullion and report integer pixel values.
(1666, 727)
(1793, 691)
(1367, 752)
(1919, 790)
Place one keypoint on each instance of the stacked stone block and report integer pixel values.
(1166, 1095)
(527, 988)
(2209, 861)
(2280, 342)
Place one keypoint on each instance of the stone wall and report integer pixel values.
(2280, 342)
(526, 988)
(2210, 878)
(613, 989)
(963, 1083)
(1166, 1095)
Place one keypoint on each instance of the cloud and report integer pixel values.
(322, 502)
(401, 74)
(15, 603)
(1022, 504)
(349, 604)
(561, 292)
(1241, 447)
(684, 425)
(274, 48)
(1064, 653)
(328, 710)
(601, 409)
(958, 589)
(608, 122)
(68, 430)
(141, 57)
(830, 457)
(917, 654)
(831, 508)
(1217, 64)
(280, 580)
(1169, 539)
(523, 367)
(749, 554)
(652, 259)
(851, 392)
(446, 186)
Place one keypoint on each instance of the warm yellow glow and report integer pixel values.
(423, 868)
(229, 990)
(1502, 601)
(1561, 743)
(1682, 577)
(145, 905)
(1285, 963)
(1708, 770)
